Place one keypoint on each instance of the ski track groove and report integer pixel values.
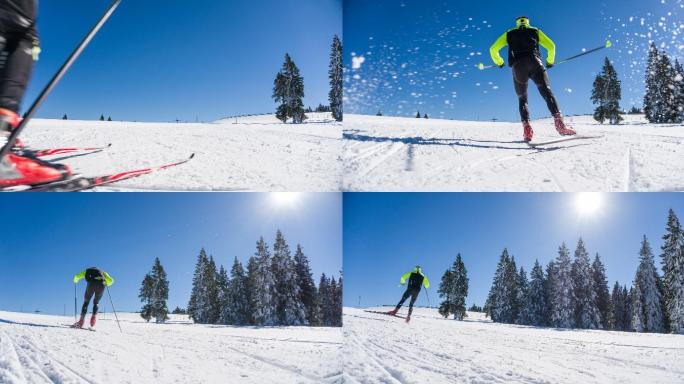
(295, 371)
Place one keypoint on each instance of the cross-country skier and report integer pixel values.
(97, 279)
(415, 280)
(19, 48)
(524, 57)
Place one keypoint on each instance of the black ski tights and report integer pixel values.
(526, 68)
(413, 293)
(96, 289)
(16, 62)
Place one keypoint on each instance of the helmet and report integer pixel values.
(522, 21)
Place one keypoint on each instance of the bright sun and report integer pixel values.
(588, 203)
(285, 199)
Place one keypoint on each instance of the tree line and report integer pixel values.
(574, 293)
(275, 288)
(288, 88)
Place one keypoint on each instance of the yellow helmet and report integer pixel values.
(522, 21)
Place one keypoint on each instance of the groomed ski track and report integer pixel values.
(259, 153)
(43, 349)
(383, 349)
(409, 154)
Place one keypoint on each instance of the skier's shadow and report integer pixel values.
(31, 324)
(58, 159)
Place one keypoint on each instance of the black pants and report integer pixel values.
(524, 69)
(96, 289)
(16, 61)
(413, 293)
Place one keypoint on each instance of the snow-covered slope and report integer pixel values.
(383, 349)
(258, 153)
(409, 154)
(41, 349)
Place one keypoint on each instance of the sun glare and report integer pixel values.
(588, 203)
(285, 199)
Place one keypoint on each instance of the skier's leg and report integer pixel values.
(541, 79)
(15, 75)
(99, 290)
(414, 297)
(520, 79)
(89, 292)
(405, 296)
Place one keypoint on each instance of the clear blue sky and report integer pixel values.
(387, 234)
(54, 236)
(167, 60)
(421, 54)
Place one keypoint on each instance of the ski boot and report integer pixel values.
(79, 323)
(8, 121)
(527, 131)
(93, 319)
(393, 312)
(16, 170)
(408, 318)
(561, 127)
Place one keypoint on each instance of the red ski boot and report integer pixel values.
(561, 127)
(393, 312)
(527, 131)
(93, 319)
(8, 121)
(79, 323)
(16, 170)
(408, 318)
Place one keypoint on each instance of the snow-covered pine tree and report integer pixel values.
(613, 93)
(647, 303)
(145, 296)
(454, 289)
(672, 259)
(598, 97)
(225, 306)
(289, 307)
(250, 290)
(652, 108)
(602, 293)
(668, 85)
(237, 312)
(445, 291)
(211, 275)
(617, 310)
(679, 91)
(498, 305)
(288, 90)
(550, 290)
(535, 304)
(562, 315)
(325, 312)
(263, 287)
(584, 293)
(628, 296)
(160, 292)
(336, 76)
(522, 298)
(511, 280)
(336, 301)
(199, 304)
(307, 286)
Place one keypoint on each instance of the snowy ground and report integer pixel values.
(257, 154)
(40, 349)
(409, 154)
(431, 349)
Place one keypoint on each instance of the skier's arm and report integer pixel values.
(404, 277)
(108, 279)
(549, 46)
(496, 47)
(79, 276)
(426, 283)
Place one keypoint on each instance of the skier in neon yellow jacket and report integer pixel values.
(525, 59)
(416, 280)
(97, 279)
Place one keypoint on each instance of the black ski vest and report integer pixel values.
(94, 275)
(522, 42)
(415, 281)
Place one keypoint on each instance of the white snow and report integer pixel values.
(431, 349)
(259, 153)
(41, 349)
(409, 154)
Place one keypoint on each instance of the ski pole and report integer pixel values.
(56, 78)
(113, 310)
(608, 44)
(428, 298)
(75, 302)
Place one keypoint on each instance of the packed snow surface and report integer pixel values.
(430, 349)
(409, 154)
(42, 349)
(255, 153)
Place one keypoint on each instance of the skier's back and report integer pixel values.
(524, 57)
(416, 280)
(97, 280)
(20, 45)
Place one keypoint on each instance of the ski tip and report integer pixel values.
(108, 145)
(608, 44)
(191, 156)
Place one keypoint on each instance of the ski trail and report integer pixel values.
(276, 364)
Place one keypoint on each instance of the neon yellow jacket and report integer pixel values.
(426, 283)
(81, 275)
(502, 41)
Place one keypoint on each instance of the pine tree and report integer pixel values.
(336, 77)
(600, 284)
(199, 304)
(213, 289)
(102, 118)
(288, 90)
(679, 91)
(160, 292)
(562, 314)
(225, 306)
(289, 308)
(336, 289)
(535, 305)
(454, 288)
(324, 303)
(145, 296)
(236, 307)
(651, 95)
(501, 302)
(550, 290)
(628, 296)
(667, 75)
(584, 293)
(250, 290)
(522, 298)
(512, 281)
(647, 310)
(598, 96)
(607, 94)
(418, 115)
(672, 259)
(307, 286)
(109, 118)
(262, 284)
(618, 316)
(425, 116)
(65, 117)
